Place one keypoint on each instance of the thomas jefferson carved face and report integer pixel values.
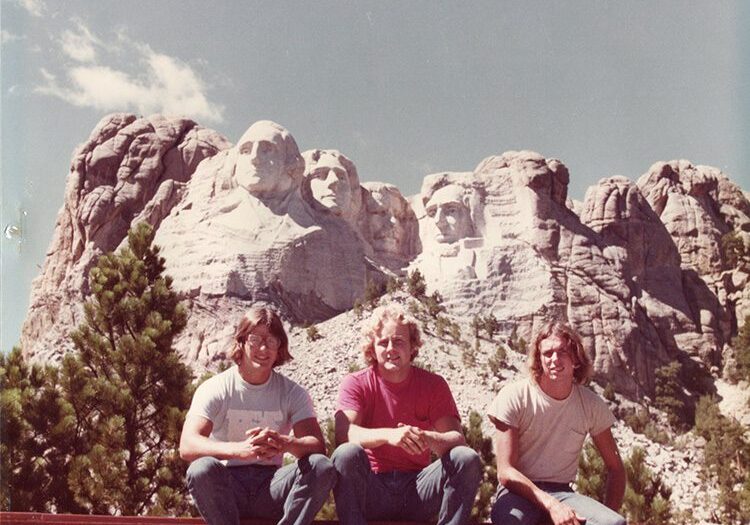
(329, 184)
(260, 167)
(450, 214)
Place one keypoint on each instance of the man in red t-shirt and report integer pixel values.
(388, 419)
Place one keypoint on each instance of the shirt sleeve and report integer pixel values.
(602, 417)
(442, 403)
(208, 401)
(506, 407)
(350, 395)
(300, 405)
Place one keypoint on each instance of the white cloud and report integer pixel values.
(33, 7)
(7, 36)
(80, 45)
(153, 83)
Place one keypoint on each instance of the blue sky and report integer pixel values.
(402, 88)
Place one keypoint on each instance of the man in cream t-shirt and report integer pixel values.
(542, 422)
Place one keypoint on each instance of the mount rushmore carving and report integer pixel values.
(636, 268)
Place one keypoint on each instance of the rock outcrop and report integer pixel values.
(636, 268)
(130, 169)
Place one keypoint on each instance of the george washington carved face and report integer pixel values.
(268, 160)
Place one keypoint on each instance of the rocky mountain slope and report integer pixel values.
(639, 270)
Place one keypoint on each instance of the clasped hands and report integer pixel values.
(262, 443)
(412, 439)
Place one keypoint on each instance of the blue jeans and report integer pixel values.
(292, 494)
(511, 509)
(446, 488)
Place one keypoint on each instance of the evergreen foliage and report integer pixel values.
(741, 345)
(100, 433)
(393, 284)
(671, 398)
(134, 387)
(516, 343)
(373, 293)
(496, 362)
(312, 333)
(328, 510)
(592, 473)
(733, 251)
(726, 460)
(476, 439)
(641, 422)
(38, 437)
(609, 392)
(434, 304)
(646, 496)
(415, 284)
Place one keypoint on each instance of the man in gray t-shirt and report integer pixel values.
(238, 429)
(542, 422)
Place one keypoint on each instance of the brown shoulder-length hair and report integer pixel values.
(260, 315)
(371, 330)
(574, 344)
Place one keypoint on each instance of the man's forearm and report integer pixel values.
(304, 446)
(199, 446)
(442, 442)
(616, 481)
(516, 482)
(368, 437)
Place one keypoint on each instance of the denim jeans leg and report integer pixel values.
(595, 513)
(512, 509)
(350, 492)
(447, 487)
(214, 490)
(302, 488)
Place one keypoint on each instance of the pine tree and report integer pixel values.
(670, 397)
(415, 284)
(128, 386)
(592, 473)
(476, 439)
(38, 438)
(741, 345)
(726, 459)
(646, 497)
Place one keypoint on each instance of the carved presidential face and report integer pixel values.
(260, 164)
(450, 214)
(383, 210)
(329, 184)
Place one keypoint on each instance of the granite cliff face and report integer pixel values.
(637, 268)
(130, 169)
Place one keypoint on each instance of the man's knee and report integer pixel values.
(321, 468)
(347, 454)
(202, 468)
(465, 460)
(512, 509)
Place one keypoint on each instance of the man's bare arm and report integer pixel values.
(348, 430)
(307, 439)
(616, 477)
(447, 434)
(195, 443)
